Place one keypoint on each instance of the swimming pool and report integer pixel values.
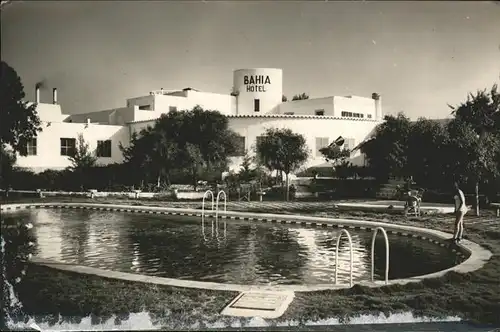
(245, 253)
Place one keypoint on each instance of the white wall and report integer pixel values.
(50, 112)
(306, 106)
(160, 104)
(354, 104)
(353, 130)
(48, 141)
(224, 103)
(49, 149)
(142, 101)
(268, 92)
(311, 128)
(98, 117)
(138, 126)
(208, 101)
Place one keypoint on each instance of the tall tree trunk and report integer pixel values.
(287, 188)
(195, 184)
(158, 180)
(477, 198)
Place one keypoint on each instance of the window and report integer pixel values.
(240, 147)
(68, 147)
(145, 107)
(321, 142)
(369, 116)
(289, 113)
(349, 143)
(319, 112)
(256, 105)
(104, 149)
(172, 108)
(30, 147)
(352, 115)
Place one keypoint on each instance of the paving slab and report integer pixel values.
(259, 304)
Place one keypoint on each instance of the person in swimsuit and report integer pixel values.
(460, 211)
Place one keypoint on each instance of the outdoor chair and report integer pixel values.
(412, 203)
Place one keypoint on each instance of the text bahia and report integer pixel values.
(255, 83)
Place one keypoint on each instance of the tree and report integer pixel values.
(474, 158)
(334, 153)
(386, 153)
(164, 145)
(476, 129)
(185, 140)
(7, 161)
(282, 150)
(481, 111)
(19, 120)
(301, 96)
(82, 158)
(81, 161)
(247, 173)
(426, 146)
(193, 159)
(137, 156)
(284, 99)
(209, 130)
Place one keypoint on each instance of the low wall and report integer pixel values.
(190, 195)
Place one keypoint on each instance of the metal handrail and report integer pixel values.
(386, 253)
(217, 206)
(203, 205)
(343, 231)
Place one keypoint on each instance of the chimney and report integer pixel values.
(54, 96)
(378, 106)
(37, 94)
(161, 91)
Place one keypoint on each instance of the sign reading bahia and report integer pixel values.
(256, 83)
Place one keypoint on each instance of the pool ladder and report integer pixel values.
(375, 232)
(215, 205)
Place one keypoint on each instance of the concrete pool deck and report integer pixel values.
(381, 327)
(476, 256)
(395, 206)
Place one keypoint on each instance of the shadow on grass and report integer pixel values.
(46, 293)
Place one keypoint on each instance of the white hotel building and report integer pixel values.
(255, 105)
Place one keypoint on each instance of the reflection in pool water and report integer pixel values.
(245, 253)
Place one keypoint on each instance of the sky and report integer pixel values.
(419, 56)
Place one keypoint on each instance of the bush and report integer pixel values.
(345, 188)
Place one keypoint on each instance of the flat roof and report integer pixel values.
(286, 116)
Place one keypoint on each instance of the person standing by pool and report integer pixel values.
(460, 211)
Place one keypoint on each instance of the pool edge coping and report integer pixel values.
(478, 256)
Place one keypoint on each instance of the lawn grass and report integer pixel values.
(45, 293)
(474, 296)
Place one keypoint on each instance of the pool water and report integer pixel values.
(243, 253)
